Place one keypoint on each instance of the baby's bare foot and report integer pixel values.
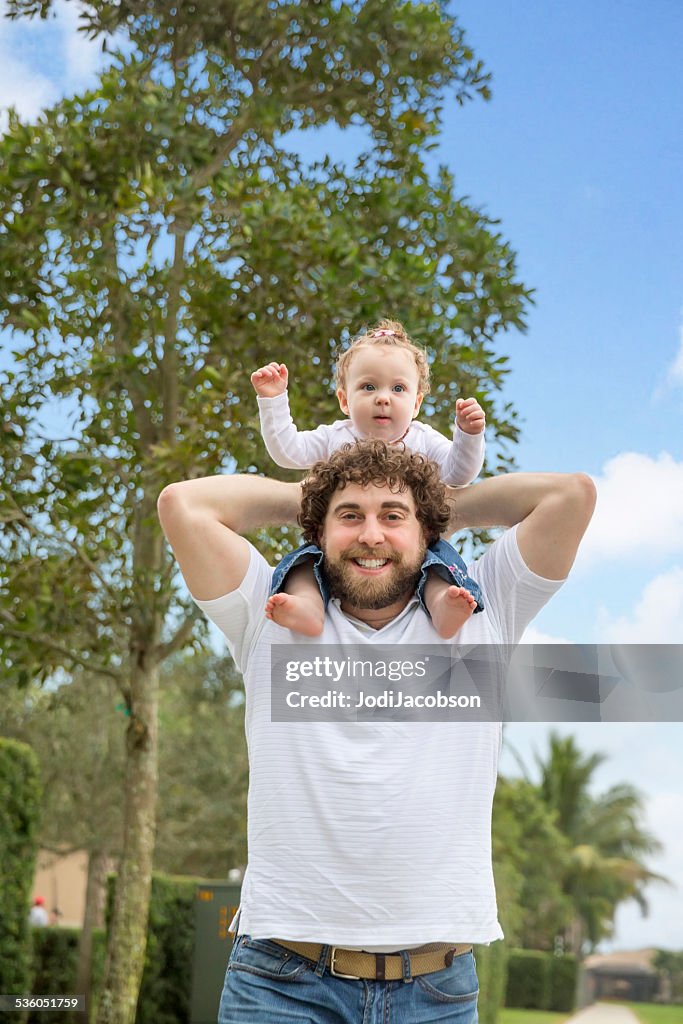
(299, 614)
(450, 609)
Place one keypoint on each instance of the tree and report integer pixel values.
(669, 965)
(159, 242)
(530, 859)
(606, 837)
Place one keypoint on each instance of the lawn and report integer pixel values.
(506, 1016)
(654, 1013)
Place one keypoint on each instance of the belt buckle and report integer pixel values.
(337, 974)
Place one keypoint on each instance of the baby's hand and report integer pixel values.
(469, 415)
(270, 380)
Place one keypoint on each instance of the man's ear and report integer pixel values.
(343, 404)
(418, 403)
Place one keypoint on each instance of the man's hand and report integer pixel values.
(469, 415)
(271, 380)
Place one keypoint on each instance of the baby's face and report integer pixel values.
(381, 397)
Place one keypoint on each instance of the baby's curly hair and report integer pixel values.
(374, 462)
(385, 332)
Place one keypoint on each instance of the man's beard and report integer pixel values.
(371, 593)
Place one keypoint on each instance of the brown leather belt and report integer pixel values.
(353, 963)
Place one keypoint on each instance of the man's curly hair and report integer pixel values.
(374, 462)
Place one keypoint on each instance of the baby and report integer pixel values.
(381, 381)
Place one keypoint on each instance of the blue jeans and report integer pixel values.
(267, 984)
(441, 556)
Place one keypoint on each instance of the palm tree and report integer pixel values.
(607, 841)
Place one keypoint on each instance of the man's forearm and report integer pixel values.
(242, 502)
(503, 500)
(204, 521)
(553, 511)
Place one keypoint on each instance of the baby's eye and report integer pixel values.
(367, 387)
(399, 387)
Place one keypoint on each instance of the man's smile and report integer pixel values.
(371, 564)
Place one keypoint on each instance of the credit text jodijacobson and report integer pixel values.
(386, 699)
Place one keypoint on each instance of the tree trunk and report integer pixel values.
(98, 864)
(128, 935)
(574, 937)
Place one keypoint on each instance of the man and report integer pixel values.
(367, 836)
(38, 916)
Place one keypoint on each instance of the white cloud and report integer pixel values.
(83, 57)
(22, 85)
(657, 617)
(640, 502)
(41, 61)
(23, 88)
(532, 635)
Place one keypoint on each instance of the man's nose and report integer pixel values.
(371, 532)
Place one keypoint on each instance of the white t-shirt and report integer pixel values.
(459, 460)
(372, 834)
(38, 916)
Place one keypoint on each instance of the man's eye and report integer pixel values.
(393, 516)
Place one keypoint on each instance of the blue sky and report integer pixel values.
(579, 154)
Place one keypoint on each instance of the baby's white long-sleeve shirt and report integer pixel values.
(459, 460)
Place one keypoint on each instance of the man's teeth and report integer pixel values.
(371, 563)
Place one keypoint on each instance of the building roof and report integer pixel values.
(631, 961)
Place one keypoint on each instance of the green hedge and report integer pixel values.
(166, 981)
(167, 977)
(528, 983)
(540, 981)
(563, 980)
(492, 973)
(55, 966)
(20, 795)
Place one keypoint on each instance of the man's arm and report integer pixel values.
(553, 511)
(204, 519)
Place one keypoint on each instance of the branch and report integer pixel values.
(118, 309)
(97, 668)
(204, 176)
(78, 551)
(206, 173)
(180, 638)
(169, 362)
(51, 645)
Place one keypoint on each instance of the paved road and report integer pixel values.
(604, 1013)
